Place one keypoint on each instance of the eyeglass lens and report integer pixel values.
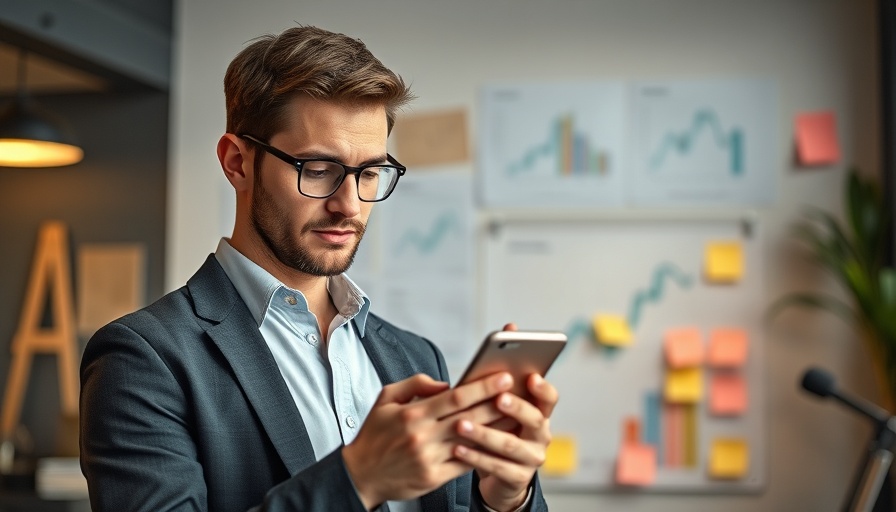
(321, 179)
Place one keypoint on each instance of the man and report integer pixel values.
(265, 382)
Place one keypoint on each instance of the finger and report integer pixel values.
(467, 395)
(484, 413)
(510, 327)
(404, 391)
(535, 425)
(545, 394)
(517, 475)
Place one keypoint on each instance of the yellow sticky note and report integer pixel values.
(729, 458)
(636, 464)
(684, 386)
(683, 347)
(728, 348)
(612, 330)
(724, 262)
(560, 457)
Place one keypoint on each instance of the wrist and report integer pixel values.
(510, 504)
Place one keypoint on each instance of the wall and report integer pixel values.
(116, 194)
(822, 53)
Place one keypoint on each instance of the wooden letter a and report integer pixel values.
(50, 273)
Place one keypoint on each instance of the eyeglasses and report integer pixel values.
(322, 178)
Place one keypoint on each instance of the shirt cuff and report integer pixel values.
(518, 509)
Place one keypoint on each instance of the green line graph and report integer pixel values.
(447, 223)
(731, 141)
(663, 272)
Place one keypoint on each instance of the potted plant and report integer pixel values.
(853, 251)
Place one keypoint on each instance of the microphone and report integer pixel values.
(823, 384)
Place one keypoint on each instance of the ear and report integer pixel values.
(236, 161)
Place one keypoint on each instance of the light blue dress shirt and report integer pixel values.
(334, 383)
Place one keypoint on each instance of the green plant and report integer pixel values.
(853, 251)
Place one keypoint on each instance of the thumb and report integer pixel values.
(510, 327)
(406, 390)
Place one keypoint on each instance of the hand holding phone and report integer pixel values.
(520, 353)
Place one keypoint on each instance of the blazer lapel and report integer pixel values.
(392, 365)
(232, 328)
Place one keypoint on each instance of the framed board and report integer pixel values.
(661, 277)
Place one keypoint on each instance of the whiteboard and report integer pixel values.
(557, 274)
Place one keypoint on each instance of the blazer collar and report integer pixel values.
(230, 325)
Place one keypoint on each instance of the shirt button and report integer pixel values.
(350, 421)
(291, 300)
(312, 339)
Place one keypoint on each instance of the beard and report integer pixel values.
(272, 225)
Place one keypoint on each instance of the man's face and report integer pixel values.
(317, 236)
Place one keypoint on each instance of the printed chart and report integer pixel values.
(552, 145)
(661, 383)
(710, 142)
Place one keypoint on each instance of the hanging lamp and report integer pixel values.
(31, 136)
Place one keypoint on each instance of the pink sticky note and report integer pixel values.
(636, 464)
(683, 347)
(727, 348)
(727, 394)
(816, 138)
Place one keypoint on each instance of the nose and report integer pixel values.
(345, 200)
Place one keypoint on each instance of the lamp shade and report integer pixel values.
(30, 137)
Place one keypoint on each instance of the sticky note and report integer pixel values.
(683, 347)
(816, 138)
(612, 330)
(727, 394)
(631, 430)
(724, 262)
(636, 464)
(684, 386)
(727, 348)
(560, 457)
(729, 458)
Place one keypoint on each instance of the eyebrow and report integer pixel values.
(377, 160)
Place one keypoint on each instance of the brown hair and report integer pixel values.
(269, 72)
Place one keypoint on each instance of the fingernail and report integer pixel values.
(461, 450)
(505, 381)
(538, 380)
(466, 426)
(504, 402)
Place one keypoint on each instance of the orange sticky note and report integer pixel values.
(727, 394)
(684, 386)
(612, 330)
(724, 262)
(727, 348)
(683, 347)
(816, 138)
(560, 457)
(729, 458)
(636, 464)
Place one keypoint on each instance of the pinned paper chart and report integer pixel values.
(660, 360)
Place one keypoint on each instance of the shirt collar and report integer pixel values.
(257, 286)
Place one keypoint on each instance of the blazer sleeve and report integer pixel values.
(138, 450)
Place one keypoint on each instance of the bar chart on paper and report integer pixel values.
(552, 144)
(703, 143)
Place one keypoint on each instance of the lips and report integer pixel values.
(335, 236)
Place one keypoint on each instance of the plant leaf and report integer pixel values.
(810, 301)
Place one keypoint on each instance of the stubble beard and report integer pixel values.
(271, 224)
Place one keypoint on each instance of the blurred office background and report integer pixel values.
(140, 84)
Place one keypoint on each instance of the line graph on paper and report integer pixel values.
(558, 275)
(703, 142)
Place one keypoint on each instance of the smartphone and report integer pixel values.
(521, 353)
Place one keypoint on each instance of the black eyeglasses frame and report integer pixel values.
(297, 164)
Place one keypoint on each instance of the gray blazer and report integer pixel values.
(183, 408)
